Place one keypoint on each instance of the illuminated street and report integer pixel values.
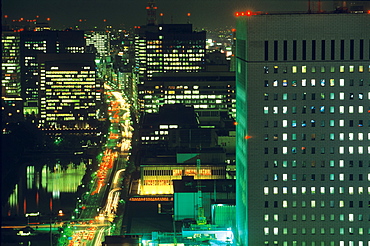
(99, 210)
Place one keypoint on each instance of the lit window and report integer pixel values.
(350, 150)
(350, 190)
(285, 204)
(294, 69)
(285, 123)
(294, 190)
(351, 69)
(360, 150)
(265, 110)
(341, 95)
(285, 150)
(360, 109)
(322, 190)
(275, 110)
(304, 69)
(266, 190)
(304, 82)
(276, 190)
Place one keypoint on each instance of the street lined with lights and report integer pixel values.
(119, 138)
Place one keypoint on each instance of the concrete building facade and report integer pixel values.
(303, 129)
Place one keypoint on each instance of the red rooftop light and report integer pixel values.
(247, 13)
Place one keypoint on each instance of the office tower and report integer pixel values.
(34, 43)
(210, 93)
(303, 129)
(68, 91)
(10, 78)
(100, 40)
(168, 48)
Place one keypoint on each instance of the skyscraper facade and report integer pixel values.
(169, 48)
(33, 43)
(100, 40)
(10, 78)
(303, 176)
(69, 91)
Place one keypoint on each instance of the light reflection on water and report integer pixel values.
(38, 187)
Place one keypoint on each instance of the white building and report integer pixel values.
(100, 40)
(303, 93)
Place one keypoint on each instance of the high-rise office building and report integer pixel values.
(10, 78)
(169, 48)
(210, 93)
(68, 91)
(33, 43)
(100, 40)
(303, 176)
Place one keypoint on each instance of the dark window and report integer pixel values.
(266, 204)
(266, 83)
(266, 50)
(275, 204)
(266, 164)
(266, 124)
(313, 150)
(351, 49)
(285, 50)
(313, 96)
(266, 150)
(351, 177)
(351, 204)
(351, 123)
(275, 150)
(333, 50)
(360, 163)
(276, 51)
(313, 177)
(342, 49)
(360, 204)
(322, 49)
(276, 96)
(360, 177)
(294, 50)
(304, 47)
(361, 49)
(275, 123)
(322, 177)
(313, 49)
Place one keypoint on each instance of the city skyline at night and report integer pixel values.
(199, 122)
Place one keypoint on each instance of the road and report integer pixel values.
(99, 209)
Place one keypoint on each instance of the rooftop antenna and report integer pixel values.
(151, 10)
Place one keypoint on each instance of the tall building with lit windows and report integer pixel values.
(211, 93)
(303, 149)
(33, 43)
(169, 48)
(100, 40)
(68, 91)
(10, 78)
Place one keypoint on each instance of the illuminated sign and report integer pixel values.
(151, 199)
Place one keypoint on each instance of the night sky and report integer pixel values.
(128, 13)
